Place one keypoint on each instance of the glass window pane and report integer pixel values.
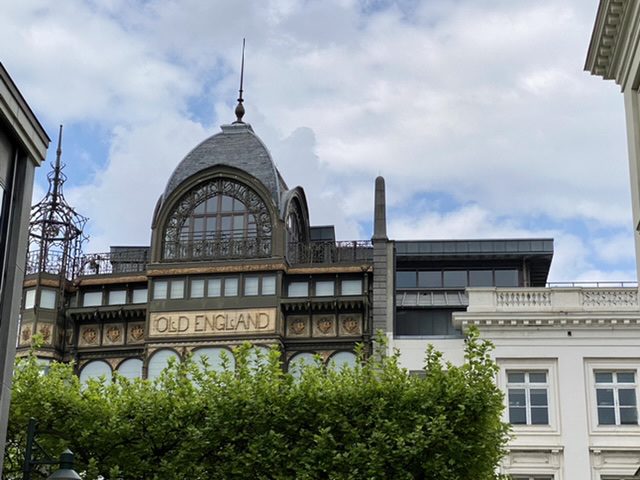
(517, 415)
(324, 288)
(480, 278)
(538, 377)
(517, 397)
(430, 279)
(299, 361)
(604, 396)
(251, 285)
(342, 360)
(230, 287)
(515, 377)
(160, 290)
(159, 361)
(140, 295)
(626, 377)
(227, 204)
(539, 416)
(96, 370)
(212, 204)
(351, 287)
(506, 278)
(406, 279)
(214, 358)
(131, 368)
(298, 289)
(30, 298)
(177, 288)
(214, 287)
(628, 416)
(606, 416)
(455, 278)
(269, 285)
(92, 299)
(627, 397)
(538, 396)
(197, 288)
(47, 298)
(198, 228)
(199, 208)
(604, 377)
(117, 297)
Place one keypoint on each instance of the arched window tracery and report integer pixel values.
(219, 219)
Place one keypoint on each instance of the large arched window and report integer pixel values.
(219, 219)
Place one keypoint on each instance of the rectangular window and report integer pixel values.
(616, 397)
(214, 287)
(92, 299)
(430, 279)
(139, 295)
(528, 397)
(406, 280)
(230, 287)
(425, 323)
(507, 278)
(351, 287)
(30, 298)
(251, 286)
(269, 285)
(298, 289)
(481, 278)
(117, 297)
(197, 288)
(177, 288)
(455, 278)
(324, 288)
(160, 290)
(47, 298)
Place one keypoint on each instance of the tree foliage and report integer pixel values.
(374, 421)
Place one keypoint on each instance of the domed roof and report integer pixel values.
(236, 146)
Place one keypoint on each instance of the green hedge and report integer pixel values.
(374, 421)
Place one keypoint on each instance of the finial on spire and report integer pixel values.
(240, 107)
(57, 167)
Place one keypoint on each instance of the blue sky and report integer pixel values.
(477, 112)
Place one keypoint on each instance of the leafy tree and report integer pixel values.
(373, 421)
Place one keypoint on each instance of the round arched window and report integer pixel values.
(299, 361)
(159, 361)
(131, 368)
(219, 219)
(342, 359)
(96, 370)
(213, 357)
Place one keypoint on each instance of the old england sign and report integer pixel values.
(217, 322)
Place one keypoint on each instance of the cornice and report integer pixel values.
(497, 321)
(614, 40)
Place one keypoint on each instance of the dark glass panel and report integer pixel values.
(628, 416)
(539, 416)
(430, 279)
(480, 278)
(515, 377)
(538, 396)
(626, 377)
(606, 416)
(604, 377)
(604, 396)
(537, 377)
(506, 278)
(627, 397)
(517, 397)
(405, 279)
(517, 415)
(455, 278)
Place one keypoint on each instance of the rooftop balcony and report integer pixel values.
(323, 253)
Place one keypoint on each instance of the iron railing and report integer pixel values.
(52, 262)
(607, 284)
(217, 249)
(330, 252)
(119, 261)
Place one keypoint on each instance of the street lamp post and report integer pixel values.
(66, 471)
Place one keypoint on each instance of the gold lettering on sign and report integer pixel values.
(219, 322)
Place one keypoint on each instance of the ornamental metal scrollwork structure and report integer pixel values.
(220, 219)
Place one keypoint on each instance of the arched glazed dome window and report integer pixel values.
(294, 231)
(219, 219)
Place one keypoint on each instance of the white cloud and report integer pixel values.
(485, 100)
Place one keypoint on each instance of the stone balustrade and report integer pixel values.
(574, 299)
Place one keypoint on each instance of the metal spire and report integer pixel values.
(240, 107)
(57, 167)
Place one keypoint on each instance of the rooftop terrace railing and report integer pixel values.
(120, 261)
(607, 284)
(355, 251)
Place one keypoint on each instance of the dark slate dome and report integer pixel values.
(236, 146)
